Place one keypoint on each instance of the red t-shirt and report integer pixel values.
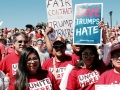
(60, 66)
(40, 81)
(75, 56)
(28, 34)
(2, 50)
(10, 64)
(39, 35)
(109, 77)
(84, 79)
(9, 50)
(6, 31)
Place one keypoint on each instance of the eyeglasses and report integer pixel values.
(115, 57)
(86, 55)
(59, 46)
(20, 41)
(35, 59)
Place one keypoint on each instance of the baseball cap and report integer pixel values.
(29, 26)
(115, 47)
(59, 39)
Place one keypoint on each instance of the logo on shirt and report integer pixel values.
(14, 68)
(44, 84)
(59, 71)
(88, 78)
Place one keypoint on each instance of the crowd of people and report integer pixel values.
(34, 62)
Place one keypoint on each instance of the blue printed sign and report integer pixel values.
(86, 20)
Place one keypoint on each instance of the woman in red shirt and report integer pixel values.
(30, 76)
(88, 70)
(39, 34)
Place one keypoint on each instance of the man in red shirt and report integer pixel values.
(6, 31)
(10, 63)
(60, 60)
(39, 34)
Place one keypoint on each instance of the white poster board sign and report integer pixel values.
(60, 17)
(107, 87)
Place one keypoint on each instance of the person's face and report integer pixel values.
(76, 48)
(11, 45)
(34, 42)
(88, 57)
(21, 30)
(39, 44)
(29, 43)
(116, 59)
(59, 49)
(28, 29)
(31, 35)
(20, 43)
(32, 63)
(44, 45)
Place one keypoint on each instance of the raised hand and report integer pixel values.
(48, 29)
(101, 23)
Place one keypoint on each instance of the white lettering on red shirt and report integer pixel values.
(44, 84)
(88, 78)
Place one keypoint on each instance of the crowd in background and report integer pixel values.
(35, 34)
(54, 55)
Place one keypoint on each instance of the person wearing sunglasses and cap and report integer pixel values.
(10, 63)
(112, 76)
(57, 64)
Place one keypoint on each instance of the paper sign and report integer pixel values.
(86, 20)
(60, 17)
(107, 87)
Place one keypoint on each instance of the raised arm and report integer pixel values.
(107, 45)
(104, 37)
(48, 42)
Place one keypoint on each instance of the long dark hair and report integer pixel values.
(21, 81)
(96, 58)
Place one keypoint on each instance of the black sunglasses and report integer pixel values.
(20, 41)
(59, 46)
(86, 55)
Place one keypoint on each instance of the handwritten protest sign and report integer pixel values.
(60, 17)
(86, 20)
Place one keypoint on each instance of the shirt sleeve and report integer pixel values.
(3, 65)
(72, 83)
(2, 49)
(12, 85)
(101, 79)
(107, 55)
(54, 82)
(44, 65)
(6, 51)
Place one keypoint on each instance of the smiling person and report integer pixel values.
(57, 64)
(87, 72)
(30, 76)
(10, 63)
(112, 76)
